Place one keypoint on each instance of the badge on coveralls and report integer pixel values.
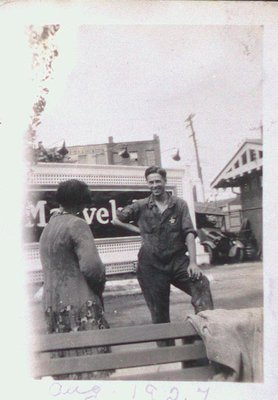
(172, 220)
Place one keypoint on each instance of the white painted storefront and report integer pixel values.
(119, 254)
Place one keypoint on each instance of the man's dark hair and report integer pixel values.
(156, 170)
(73, 193)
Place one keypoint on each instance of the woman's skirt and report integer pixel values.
(68, 318)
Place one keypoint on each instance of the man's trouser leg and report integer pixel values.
(155, 286)
(198, 289)
(201, 298)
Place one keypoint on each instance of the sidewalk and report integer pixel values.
(124, 287)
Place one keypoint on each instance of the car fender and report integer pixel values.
(238, 244)
(233, 251)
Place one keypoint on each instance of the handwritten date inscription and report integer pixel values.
(150, 392)
(59, 389)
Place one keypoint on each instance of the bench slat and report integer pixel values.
(189, 374)
(125, 359)
(126, 335)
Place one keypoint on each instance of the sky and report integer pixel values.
(134, 81)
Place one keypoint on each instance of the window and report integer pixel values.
(82, 158)
(133, 155)
(237, 164)
(252, 155)
(244, 158)
(100, 158)
(116, 158)
(260, 154)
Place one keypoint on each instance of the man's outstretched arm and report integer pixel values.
(128, 226)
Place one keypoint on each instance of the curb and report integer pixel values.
(125, 287)
(131, 286)
(122, 287)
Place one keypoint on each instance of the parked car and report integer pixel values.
(222, 246)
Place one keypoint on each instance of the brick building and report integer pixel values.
(245, 171)
(143, 152)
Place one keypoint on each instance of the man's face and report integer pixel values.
(156, 184)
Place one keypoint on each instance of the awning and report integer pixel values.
(247, 160)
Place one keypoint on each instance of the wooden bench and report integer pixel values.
(134, 352)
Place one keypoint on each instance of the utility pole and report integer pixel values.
(193, 135)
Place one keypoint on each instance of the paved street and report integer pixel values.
(233, 286)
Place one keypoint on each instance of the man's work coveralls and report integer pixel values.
(162, 260)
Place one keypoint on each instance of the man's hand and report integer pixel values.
(194, 271)
(128, 226)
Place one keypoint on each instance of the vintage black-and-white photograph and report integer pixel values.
(142, 215)
(143, 225)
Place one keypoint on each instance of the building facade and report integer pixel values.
(245, 170)
(112, 187)
(136, 153)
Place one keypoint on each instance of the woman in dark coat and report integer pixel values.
(74, 275)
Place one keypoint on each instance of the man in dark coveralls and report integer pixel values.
(167, 234)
